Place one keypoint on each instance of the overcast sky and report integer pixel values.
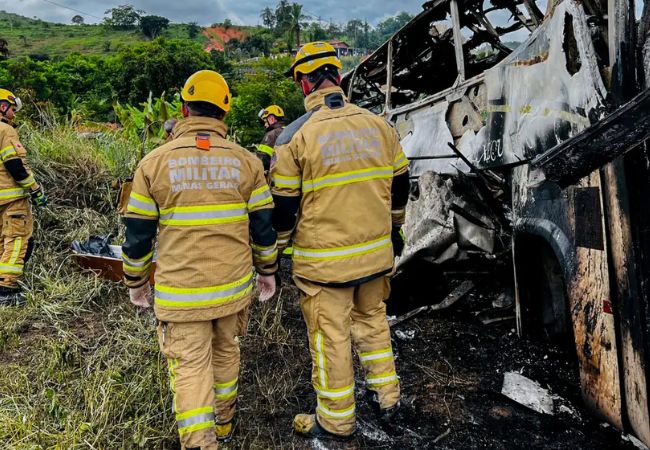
(205, 12)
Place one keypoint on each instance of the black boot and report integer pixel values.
(385, 415)
(11, 296)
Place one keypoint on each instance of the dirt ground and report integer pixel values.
(451, 368)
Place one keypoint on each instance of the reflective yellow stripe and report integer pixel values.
(260, 197)
(173, 363)
(376, 356)
(203, 214)
(336, 413)
(335, 394)
(7, 152)
(137, 269)
(172, 297)
(195, 419)
(381, 379)
(27, 182)
(286, 182)
(6, 194)
(400, 161)
(342, 252)
(265, 149)
(142, 205)
(224, 391)
(321, 360)
(265, 253)
(137, 265)
(16, 269)
(343, 178)
(16, 251)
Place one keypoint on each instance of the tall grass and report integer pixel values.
(79, 366)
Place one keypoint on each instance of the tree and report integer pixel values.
(268, 18)
(123, 17)
(78, 20)
(296, 21)
(282, 17)
(353, 30)
(315, 32)
(193, 30)
(152, 26)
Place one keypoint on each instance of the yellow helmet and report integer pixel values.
(312, 56)
(273, 110)
(207, 86)
(8, 96)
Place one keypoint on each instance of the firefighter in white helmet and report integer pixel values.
(206, 202)
(17, 185)
(340, 187)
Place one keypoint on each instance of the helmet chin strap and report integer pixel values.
(304, 84)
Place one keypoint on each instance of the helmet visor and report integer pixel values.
(18, 104)
(261, 114)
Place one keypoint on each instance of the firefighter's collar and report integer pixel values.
(193, 125)
(317, 98)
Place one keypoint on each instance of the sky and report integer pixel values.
(205, 12)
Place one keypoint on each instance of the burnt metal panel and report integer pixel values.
(588, 218)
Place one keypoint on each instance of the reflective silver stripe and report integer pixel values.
(402, 161)
(140, 262)
(195, 420)
(10, 193)
(380, 380)
(348, 251)
(226, 391)
(263, 197)
(203, 294)
(8, 151)
(335, 395)
(137, 205)
(202, 215)
(4, 268)
(27, 181)
(346, 178)
(264, 251)
(337, 414)
(364, 358)
(286, 182)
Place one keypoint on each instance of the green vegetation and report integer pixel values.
(45, 40)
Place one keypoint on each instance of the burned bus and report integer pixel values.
(551, 132)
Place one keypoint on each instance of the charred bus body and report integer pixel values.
(555, 130)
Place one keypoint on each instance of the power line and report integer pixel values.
(72, 9)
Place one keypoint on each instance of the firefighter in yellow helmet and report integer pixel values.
(17, 184)
(206, 202)
(340, 187)
(271, 117)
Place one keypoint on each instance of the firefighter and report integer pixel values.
(340, 187)
(206, 202)
(17, 184)
(271, 117)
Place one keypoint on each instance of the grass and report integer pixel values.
(79, 366)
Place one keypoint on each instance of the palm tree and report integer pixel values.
(296, 18)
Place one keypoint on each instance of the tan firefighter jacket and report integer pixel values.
(335, 169)
(212, 207)
(16, 179)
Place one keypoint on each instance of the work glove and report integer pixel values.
(38, 197)
(141, 296)
(397, 237)
(265, 285)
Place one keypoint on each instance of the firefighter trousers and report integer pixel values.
(17, 226)
(203, 361)
(333, 315)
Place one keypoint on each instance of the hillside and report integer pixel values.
(37, 37)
